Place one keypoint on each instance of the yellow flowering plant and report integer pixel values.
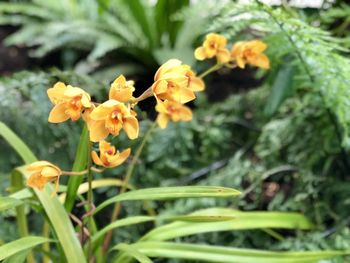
(68, 237)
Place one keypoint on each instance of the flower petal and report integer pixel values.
(37, 181)
(120, 158)
(223, 55)
(50, 172)
(98, 131)
(196, 84)
(162, 120)
(131, 127)
(200, 53)
(261, 61)
(96, 159)
(37, 166)
(56, 93)
(58, 113)
(103, 110)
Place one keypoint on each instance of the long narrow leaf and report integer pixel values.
(229, 255)
(17, 144)
(19, 257)
(60, 222)
(163, 193)
(53, 209)
(120, 223)
(20, 245)
(79, 165)
(130, 250)
(83, 188)
(241, 221)
(8, 202)
(138, 11)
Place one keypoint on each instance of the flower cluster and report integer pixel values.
(175, 84)
(242, 53)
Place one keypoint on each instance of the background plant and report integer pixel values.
(297, 157)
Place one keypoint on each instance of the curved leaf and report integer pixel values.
(229, 255)
(54, 210)
(163, 193)
(80, 164)
(119, 223)
(8, 202)
(241, 220)
(20, 245)
(130, 250)
(17, 144)
(83, 188)
(60, 222)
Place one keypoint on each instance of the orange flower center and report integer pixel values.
(212, 44)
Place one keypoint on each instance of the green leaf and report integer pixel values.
(20, 245)
(229, 255)
(163, 193)
(80, 164)
(19, 257)
(16, 143)
(137, 10)
(56, 213)
(281, 89)
(99, 183)
(8, 202)
(241, 221)
(119, 223)
(60, 222)
(22, 194)
(130, 250)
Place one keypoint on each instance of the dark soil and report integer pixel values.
(12, 58)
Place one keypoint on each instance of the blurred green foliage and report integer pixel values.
(112, 35)
(285, 144)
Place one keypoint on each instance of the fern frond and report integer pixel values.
(322, 68)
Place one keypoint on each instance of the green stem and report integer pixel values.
(21, 218)
(46, 245)
(129, 172)
(210, 70)
(90, 199)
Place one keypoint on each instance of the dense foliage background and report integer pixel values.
(282, 136)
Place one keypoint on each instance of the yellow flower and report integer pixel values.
(250, 52)
(213, 46)
(172, 110)
(43, 172)
(121, 90)
(109, 157)
(69, 102)
(109, 118)
(177, 82)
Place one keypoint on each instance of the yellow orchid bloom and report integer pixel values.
(109, 157)
(177, 82)
(109, 118)
(214, 45)
(69, 102)
(121, 89)
(43, 172)
(172, 110)
(250, 52)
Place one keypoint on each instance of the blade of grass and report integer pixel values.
(223, 254)
(8, 203)
(164, 193)
(80, 164)
(59, 219)
(20, 245)
(241, 221)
